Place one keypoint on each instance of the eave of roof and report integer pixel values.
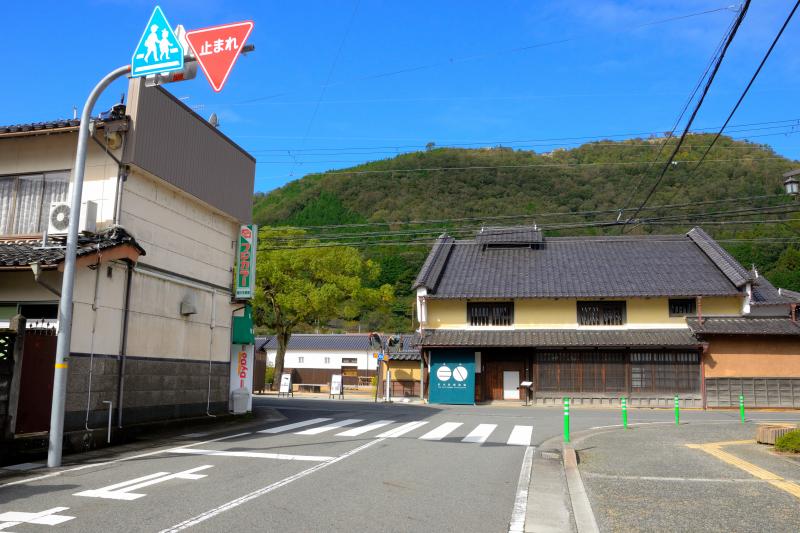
(560, 338)
(743, 326)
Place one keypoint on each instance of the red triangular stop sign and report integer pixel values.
(217, 48)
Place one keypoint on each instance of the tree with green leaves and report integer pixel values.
(300, 281)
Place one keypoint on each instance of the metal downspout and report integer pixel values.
(91, 348)
(124, 346)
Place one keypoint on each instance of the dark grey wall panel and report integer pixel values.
(169, 140)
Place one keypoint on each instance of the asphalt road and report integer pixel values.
(371, 471)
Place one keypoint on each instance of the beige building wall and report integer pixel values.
(181, 235)
(56, 152)
(563, 312)
(740, 356)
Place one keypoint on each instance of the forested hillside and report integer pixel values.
(392, 209)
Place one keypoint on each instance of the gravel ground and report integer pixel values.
(702, 493)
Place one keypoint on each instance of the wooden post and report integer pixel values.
(18, 323)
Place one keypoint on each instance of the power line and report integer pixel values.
(663, 220)
(750, 83)
(454, 60)
(532, 215)
(699, 104)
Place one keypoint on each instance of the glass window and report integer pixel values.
(490, 313)
(601, 313)
(25, 201)
(301, 359)
(327, 360)
(682, 306)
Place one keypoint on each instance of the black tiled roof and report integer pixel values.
(23, 252)
(559, 338)
(405, 356)
(323, 341)
(765, 293)
(575, 267)
(724, 261)
(38, 126)
(743, 326)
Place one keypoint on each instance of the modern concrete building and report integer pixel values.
(596, 318)
(153, 300)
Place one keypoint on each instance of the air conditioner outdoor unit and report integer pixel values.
(58, 221)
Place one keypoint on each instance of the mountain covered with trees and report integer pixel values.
(392, 209)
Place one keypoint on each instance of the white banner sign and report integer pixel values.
(336, 384)
(286, 383)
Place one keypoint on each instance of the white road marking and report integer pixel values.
(289, 427)
(520, 436)
(480, 433)
(255, 455)
(355, 432)
(129, 458)
(517, 523)
(123, 491)
(401, 430)
(441, 432)
(211, 513)
(43, 518)
(336, 425)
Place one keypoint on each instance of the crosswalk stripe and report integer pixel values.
(480, 433)
(329, 427)
(364, 429)
(441, 432)
(401, 430)
(520, 436)
(289, 427)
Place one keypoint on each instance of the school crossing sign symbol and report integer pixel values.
(217, 49)
(158, 50)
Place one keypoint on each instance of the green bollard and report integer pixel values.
(624, 412)
(566, 419)
(677, 411)
(741, 407)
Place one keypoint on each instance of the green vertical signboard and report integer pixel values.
(452, 378)
(246, 262)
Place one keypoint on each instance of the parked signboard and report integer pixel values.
(286, 383)
(336, 384)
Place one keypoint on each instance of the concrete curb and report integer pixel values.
(581, 508)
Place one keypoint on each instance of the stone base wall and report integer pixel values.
(153, 389)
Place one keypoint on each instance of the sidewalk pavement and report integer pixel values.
(692, 477)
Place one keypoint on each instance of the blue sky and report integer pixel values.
(334, 83)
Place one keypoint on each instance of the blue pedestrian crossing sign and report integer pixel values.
(158, 50)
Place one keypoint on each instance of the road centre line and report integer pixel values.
(715, 449)
(255, 455)
(121, 459)
(517, 523)
(211, 513)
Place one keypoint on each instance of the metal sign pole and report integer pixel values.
(68, 282)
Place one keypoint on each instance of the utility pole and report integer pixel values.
(68, 283)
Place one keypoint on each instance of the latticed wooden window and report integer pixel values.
(7, 346)
(601, 313)
(682, 306)
(490, 313)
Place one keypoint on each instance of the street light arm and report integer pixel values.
(68, 283)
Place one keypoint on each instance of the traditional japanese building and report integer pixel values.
(597, 318)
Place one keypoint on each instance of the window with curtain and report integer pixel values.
(25, 201)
